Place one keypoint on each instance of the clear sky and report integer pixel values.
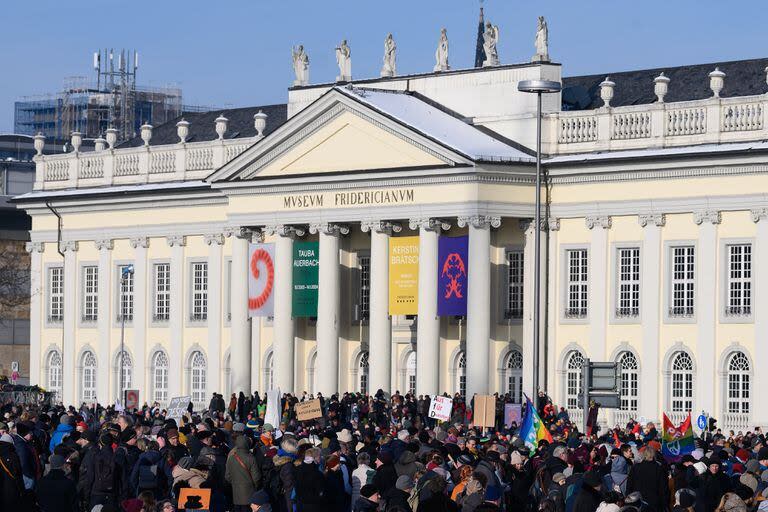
(237, 52)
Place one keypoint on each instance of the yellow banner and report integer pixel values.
(404, 275)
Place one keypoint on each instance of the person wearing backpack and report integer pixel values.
(103, 490)
(243, 474)
(147, 474)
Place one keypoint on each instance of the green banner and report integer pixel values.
(306, 262)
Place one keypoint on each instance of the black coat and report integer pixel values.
(397, 500)
(57, 493)
(438, 503)
(310, 488)
(11, 482)
(102, 464)
(385, 478)
(650, 479)
(587, 500)
(85, 478)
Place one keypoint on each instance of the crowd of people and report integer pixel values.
(366, 453)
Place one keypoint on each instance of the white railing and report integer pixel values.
(621, 418)
(736, 422)
(677, 417)
(686, 121)
(742, 117)
(582, 128)
(57, 171)
(631, 125)
(577, 417)
(234, 150)
(201, 158)
(92, 167)
(162, 162)
(127, 165)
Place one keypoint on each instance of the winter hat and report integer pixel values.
(701, 467)
(66, 419)
(592, 479)
(557, 477)
(404, 483)
(6, 438)
(753, 466)
(259, 498)
(764, 476)
(57, 461)
(368, 490)
(332, 462)
(515, 458)
(742, 455)
(607, 507)
(345, 436)
(686, 499)
(238, 427)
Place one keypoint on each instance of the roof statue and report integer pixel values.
(344, 60)
(490, 40)
(441, 54)
(388, 69)
(542, 42)
(300, 65)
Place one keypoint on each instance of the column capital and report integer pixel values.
(328, 228)
(602, 221)
(34, 247)
(176, 240)
(69, 246)
(478, 221)
(429, 224)
(214, 238)
(104, 244)
(652, 219)
(284, 230)
(380, 226)
(553, 224)
(711, 216)
(758, 214)
(139, 242)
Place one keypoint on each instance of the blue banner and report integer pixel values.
(452, 275)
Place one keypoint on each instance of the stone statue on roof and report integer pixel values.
(344, 60)
(490, 40)
(441, 54)
(388, 69)
(542, 42)
(300, 65)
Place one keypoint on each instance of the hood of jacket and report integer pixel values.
(281, 460)
(150, 457)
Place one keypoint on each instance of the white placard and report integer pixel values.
(178, 407)
(440, 408)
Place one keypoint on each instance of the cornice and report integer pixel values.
(655, 174)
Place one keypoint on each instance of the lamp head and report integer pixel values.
(539, 86)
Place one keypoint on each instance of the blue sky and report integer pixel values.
(237, 52)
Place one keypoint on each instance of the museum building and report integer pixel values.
(656, 219)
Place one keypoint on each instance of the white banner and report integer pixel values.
(440, 408)
(261, 280)
(274, 411)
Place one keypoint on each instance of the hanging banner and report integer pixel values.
(404, 275)
(261, 279)
(452, 275)
(306, 262)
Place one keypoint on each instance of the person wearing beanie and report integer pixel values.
(242, 473)
(335, 486)
(386, 474)
(63, 429)
(126, 456)
(589, 496)
(369, 499)
(101, 488)
(259, 502)
(56, 492)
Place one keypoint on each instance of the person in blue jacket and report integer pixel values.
(63, 429)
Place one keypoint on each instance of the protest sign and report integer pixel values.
(131, 399)
(512, 413)
(194, 499)
(178, 407)
(309, 410)
(484, 414)
(440, 408)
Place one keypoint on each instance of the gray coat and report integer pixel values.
(242, 472)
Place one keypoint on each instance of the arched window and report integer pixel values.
(513, 376)
(312, 373)
(54, 372)
(88, 384)
(460, 369)
(738, 384)
(629, 381)
(123, 373)
(160, 377)
(362, 373)
(410, 372)
(197, 370)
(681, 399)
(573, 379)
(269, 371)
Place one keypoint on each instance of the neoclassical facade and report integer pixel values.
(656, 221)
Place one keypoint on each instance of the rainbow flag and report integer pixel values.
(533, 429)
(677, 441)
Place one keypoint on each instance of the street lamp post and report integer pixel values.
(537, 87)
(124, 274)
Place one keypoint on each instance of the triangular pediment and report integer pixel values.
(336, 134)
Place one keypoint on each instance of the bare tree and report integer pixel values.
(14, 278)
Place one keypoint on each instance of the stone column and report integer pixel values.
(215, 278)
(328, 306)
(255, 352)
(240, 351)
(760, 216)
(176, 320)
(379, 321)
(706, 310)
(104, 319)
(428, 324)
(553, 301)
(70, 310)
(526, 226)
(598, 265)
(479, 299)
(283, 346)
(36, 314)
(140, 245)
(650, 294)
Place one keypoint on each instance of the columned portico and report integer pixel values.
(105, 247)
(176, 320)
(215, 242)
(380, 322)
(328, 306)
(240, 353)
(479, 296)
(70, 309)
(140, 245)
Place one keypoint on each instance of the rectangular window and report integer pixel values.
(90, 294)
(514, 307)
(739, 300)
(578, 284)
(682, 391)
(125, 299)
(199, 292)
(55, 294)
(683, 281)
(628, 296)
(162, 303)
(365, 286)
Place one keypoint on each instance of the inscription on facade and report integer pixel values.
(336, 199)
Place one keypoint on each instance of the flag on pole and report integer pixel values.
(677, 441)
(533, 429)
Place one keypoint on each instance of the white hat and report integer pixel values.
(345, 436)
(6, 438)
(700, 467)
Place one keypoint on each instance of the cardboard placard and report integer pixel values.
(440, 408)
(131, 399)
(190, 496)
(178, 407)
(484, 414)
(309, 410)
